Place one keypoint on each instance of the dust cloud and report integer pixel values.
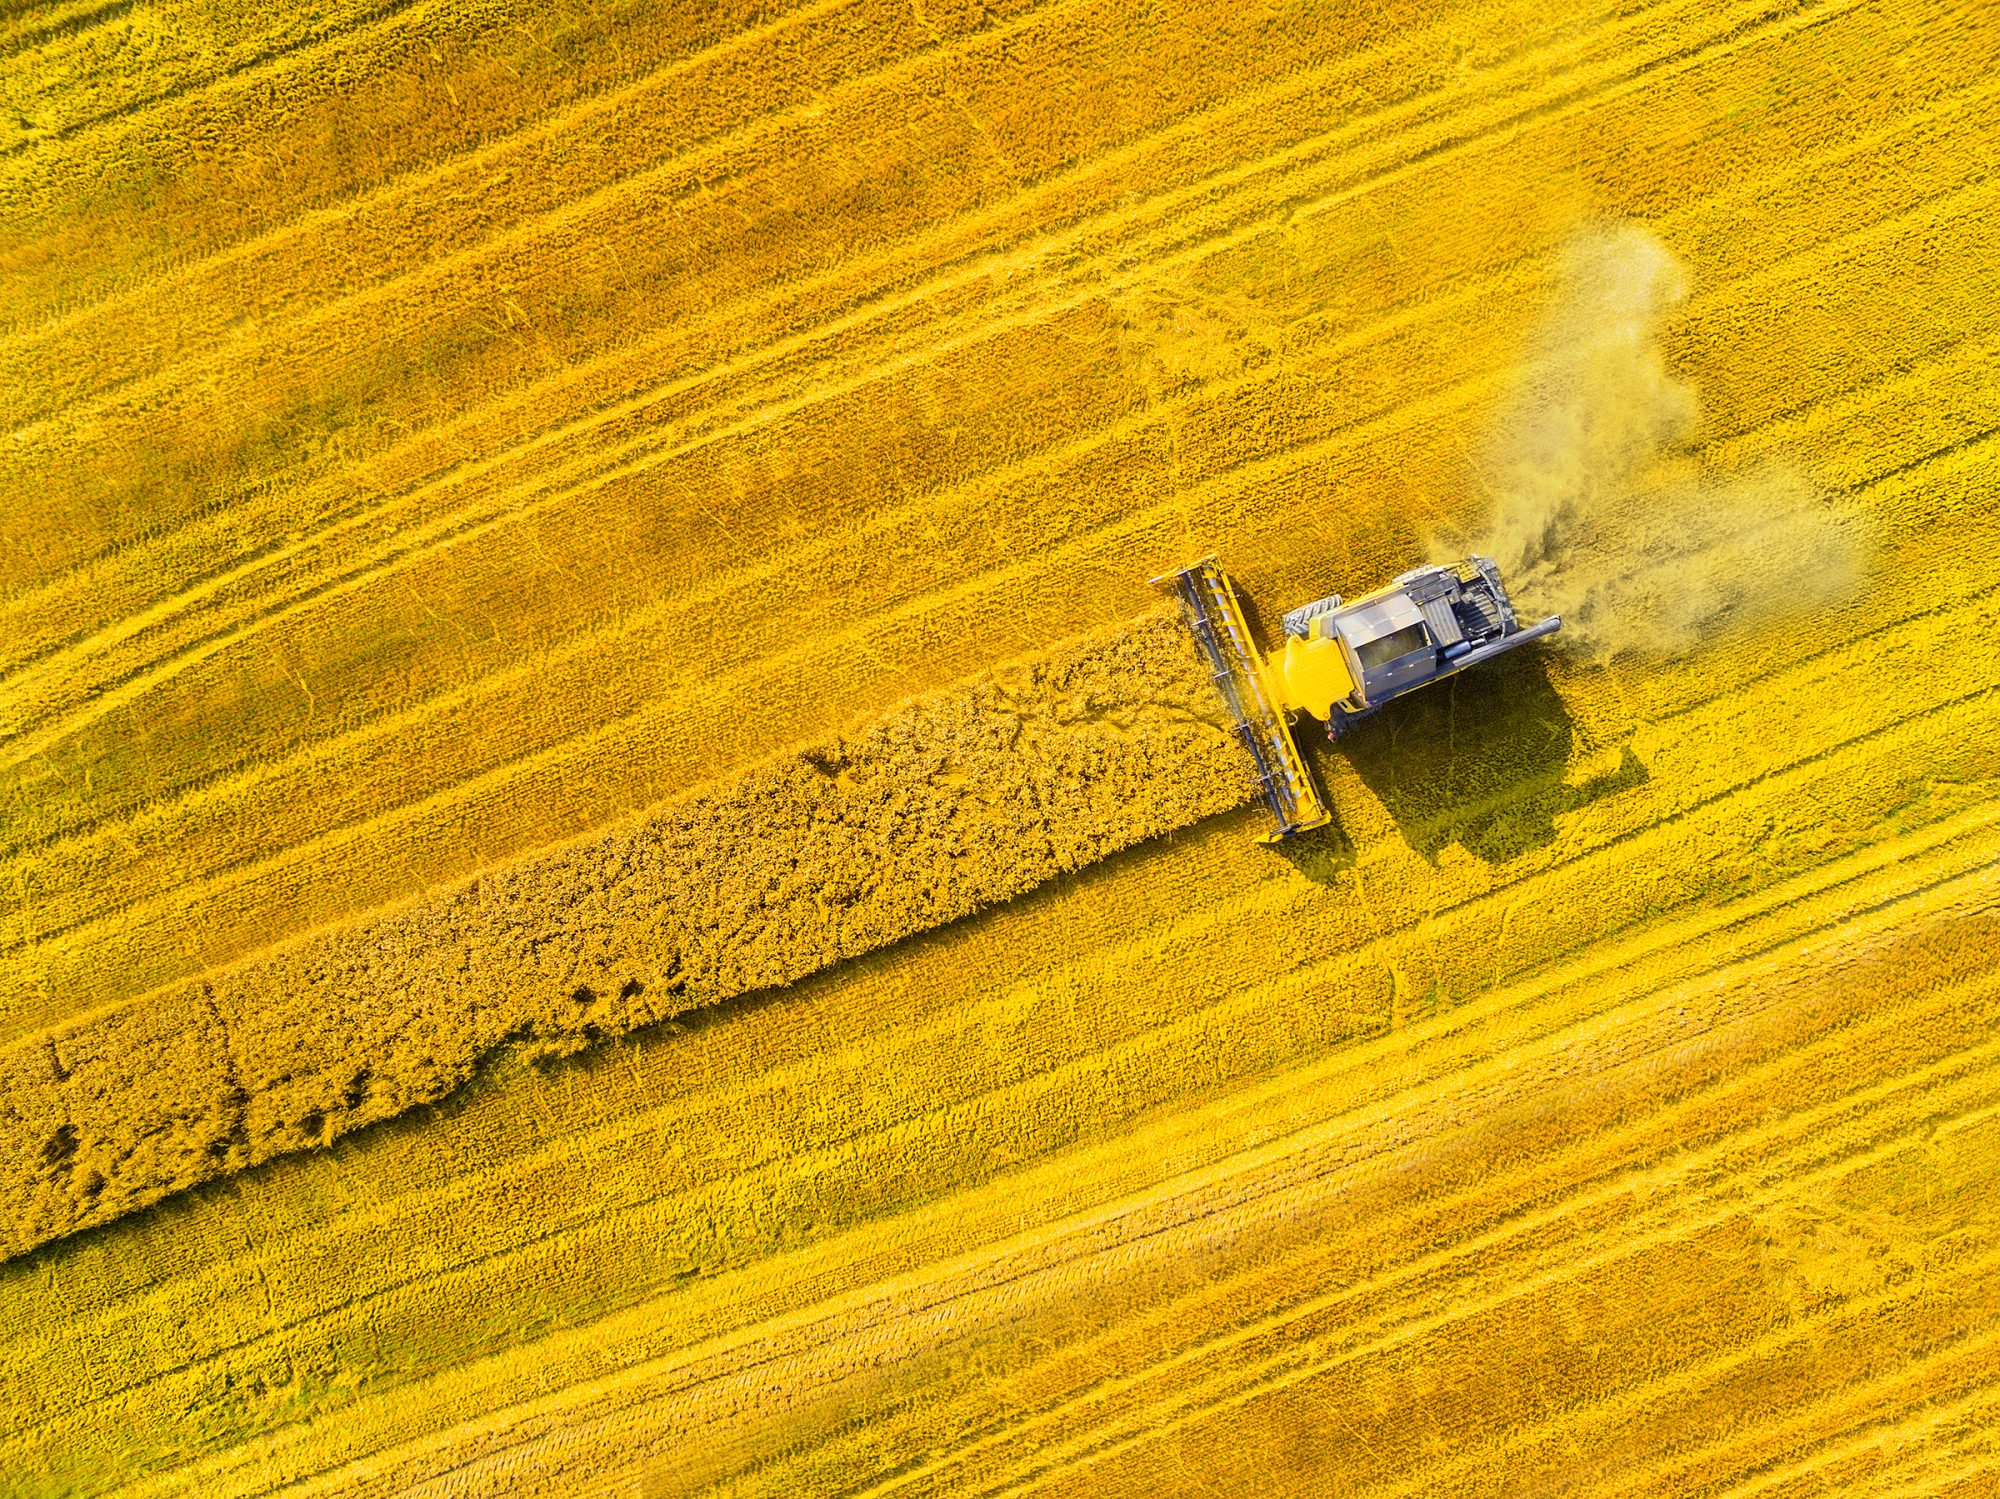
(1601, 515)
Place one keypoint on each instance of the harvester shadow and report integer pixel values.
(1478, 761)
(1323, 854)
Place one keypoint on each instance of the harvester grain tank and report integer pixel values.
(1341, 662)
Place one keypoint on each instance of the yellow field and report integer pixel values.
(487, 481)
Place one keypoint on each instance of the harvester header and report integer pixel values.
(1341, 662)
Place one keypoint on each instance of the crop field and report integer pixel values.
(613, 880)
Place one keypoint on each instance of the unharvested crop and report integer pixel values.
(832, 850)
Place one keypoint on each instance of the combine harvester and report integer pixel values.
(1342, 662)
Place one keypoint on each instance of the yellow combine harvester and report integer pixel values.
(1341, 661)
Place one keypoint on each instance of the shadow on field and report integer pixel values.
(1324, 853)
(1477, 760)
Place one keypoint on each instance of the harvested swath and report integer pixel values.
(340, 1285)
(1667, 1157)
(1184, 966)
(142, 189)
(512, 601)
(135, 776)
(78, 70)
(1100, 184)
(162, 454)
(664, 641)
(426, 216)
(949, 804)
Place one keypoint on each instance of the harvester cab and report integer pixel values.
(1342, 661)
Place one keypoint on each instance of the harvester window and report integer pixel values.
(1386, 648)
